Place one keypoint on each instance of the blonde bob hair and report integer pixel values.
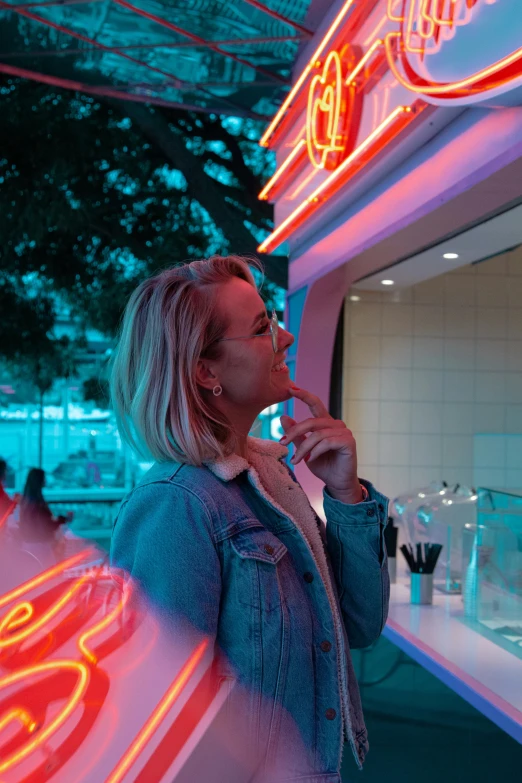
(170, 322)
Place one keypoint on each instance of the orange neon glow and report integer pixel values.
(36, 680)
(377, 29)
(446, 15)
(333, 112)
(470, 85)
(425, 20)
(38, 736)
(282, 231)
(410, 31)
(309, 67)
(291, 158)
(158, 715)
(363, 61)
(23, 612)
(42, 736)
(433, 16)
(426, 29)
(325, 101)
(110, 618)
(17, 616)
(45, 576)
(332, 116)
(302, 185)
(390, 10)
(20, 715)
(300, 135)
(424, 26)
(435, 22)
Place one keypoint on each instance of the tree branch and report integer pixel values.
(201, 187)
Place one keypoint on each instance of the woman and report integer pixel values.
(7, 503)
(220, 534)
(37, 522)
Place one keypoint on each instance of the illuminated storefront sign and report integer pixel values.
(332, 114)
(381, 68)
(49, 705)
(461, 51)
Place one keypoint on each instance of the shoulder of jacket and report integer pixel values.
(179, 480)
(200, 481)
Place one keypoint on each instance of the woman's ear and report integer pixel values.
(205, 375)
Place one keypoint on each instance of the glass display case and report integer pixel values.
(492, 567)
(438, 514)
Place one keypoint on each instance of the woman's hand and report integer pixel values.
(329, 450)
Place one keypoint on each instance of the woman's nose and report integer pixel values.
(286, 339)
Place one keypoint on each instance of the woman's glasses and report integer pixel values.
(273, 330)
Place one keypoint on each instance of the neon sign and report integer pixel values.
(381, 69)
(46, 699)
(430, 30)
(27, 718)
(331, 118)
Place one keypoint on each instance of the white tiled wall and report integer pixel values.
(497, 461)
(429, 368)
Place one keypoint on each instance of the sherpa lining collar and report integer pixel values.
(228, 468)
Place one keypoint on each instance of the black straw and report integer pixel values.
(424, 560)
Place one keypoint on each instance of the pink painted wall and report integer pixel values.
(314, 356)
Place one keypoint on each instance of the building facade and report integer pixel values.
(398, 190)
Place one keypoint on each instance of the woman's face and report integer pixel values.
(246, 369)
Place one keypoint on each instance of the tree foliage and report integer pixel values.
(96, 195)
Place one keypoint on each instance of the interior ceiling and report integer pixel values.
(216, 56)
(489, 238)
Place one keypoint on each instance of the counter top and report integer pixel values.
(481, 672)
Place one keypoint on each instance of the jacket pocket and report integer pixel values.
(257, 553)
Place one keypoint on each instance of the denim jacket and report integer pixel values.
(220, 554)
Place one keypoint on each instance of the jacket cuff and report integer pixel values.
(370, 511)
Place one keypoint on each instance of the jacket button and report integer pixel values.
(370, 512)
(381, 508)
(308, 577)
(268, 549)
(330, 714)
(325, 646)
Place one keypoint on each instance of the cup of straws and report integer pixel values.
(421, 561)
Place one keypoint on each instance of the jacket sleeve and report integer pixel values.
(355, 543)
(163, 537)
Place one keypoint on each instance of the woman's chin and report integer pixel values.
(281, 395)
(280, 383)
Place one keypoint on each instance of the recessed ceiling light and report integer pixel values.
(355, 298)
(387, 282)
(450, 255)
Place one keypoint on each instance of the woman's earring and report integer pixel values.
(216, 391)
